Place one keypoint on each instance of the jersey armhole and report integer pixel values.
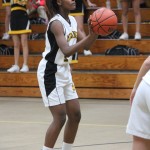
(52, 22)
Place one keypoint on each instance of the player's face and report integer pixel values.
(68, 4)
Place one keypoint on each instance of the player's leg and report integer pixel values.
(7, 20)
(73, 113)
(74, 116)
(49, 76)
(140, 143)
(125, 7)
(16, 41)
(24, 42)
(136, 8)
(59, 118)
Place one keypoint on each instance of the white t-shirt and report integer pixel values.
(146, 78)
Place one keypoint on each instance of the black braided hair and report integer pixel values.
(52, 7)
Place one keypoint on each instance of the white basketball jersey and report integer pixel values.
(52, 51)
(146, 78)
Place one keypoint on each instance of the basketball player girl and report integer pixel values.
(19, 29)
(6, 4)
(54, 75)
(139, 120)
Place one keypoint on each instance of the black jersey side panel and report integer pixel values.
(51, 68)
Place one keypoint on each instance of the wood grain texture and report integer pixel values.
(87, 62)
(98, 47)
(82, 92)
(81, 79)
(97, 76)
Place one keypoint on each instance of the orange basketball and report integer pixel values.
(103, 21)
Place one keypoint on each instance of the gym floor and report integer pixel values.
(24, 121)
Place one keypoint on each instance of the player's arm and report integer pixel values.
(81, 36)
(143, 70)
(58, 31)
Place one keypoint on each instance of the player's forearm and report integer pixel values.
(143, 70)
(84, 43)
(90, 40)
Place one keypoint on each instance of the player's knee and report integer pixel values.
(61, 119)
(77, 116)
(17, 45)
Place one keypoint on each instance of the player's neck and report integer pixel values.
(65, 16)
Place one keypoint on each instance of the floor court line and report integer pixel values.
(100, 144)
(102, 128)
(34, 122)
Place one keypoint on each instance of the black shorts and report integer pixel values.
(5, 2)
(79, 9)
(19, 22)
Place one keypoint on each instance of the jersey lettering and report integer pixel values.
(71, 35)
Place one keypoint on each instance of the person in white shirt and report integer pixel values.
(139, 119)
